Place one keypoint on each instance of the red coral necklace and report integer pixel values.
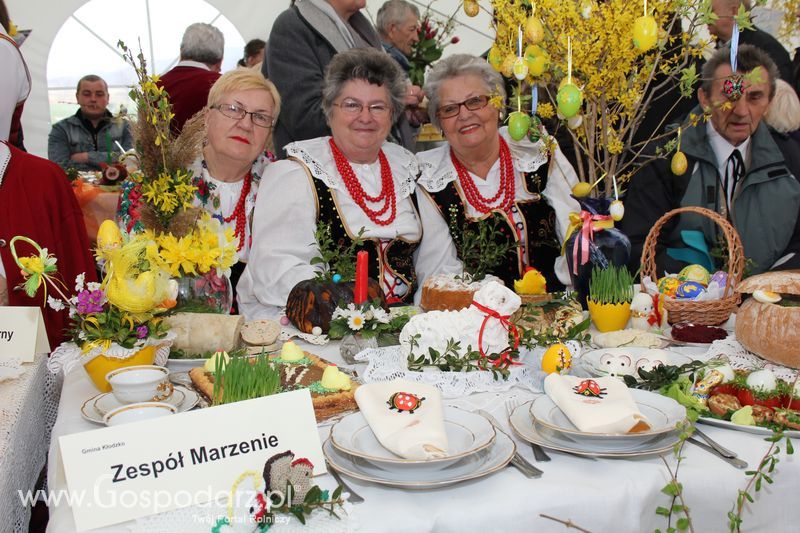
(357, 193)
(506, 189)
(239, 211)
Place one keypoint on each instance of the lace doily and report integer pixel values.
(203, 517)
(316, 155)
(287, 332)
(741, 359)
(384, 364)
(10, 369)
(69, 355)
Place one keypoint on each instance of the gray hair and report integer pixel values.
(783, 113)
(203, 43)
(393, 12)
(367, 64)
(455, 66)
(748, 58)
(91, 78)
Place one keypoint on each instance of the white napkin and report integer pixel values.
(597, 405)
(387, 407)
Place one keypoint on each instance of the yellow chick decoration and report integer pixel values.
(128, 286)
(532, 282)
(108, 236)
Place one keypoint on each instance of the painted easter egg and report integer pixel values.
(689, 290)
(471, 8)
(538, 60)
(520, 68)
(557, 358)
(518, 124)
(679, 164)
(495, 58)
(668, 286)
(534, 31)
(569, 100)
(645, 33)
(720, 276)
(696, 273)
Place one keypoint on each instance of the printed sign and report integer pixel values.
(22, 333)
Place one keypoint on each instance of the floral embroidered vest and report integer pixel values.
(539, 227)
(396, 256)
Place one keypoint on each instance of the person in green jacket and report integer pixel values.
(737, 167)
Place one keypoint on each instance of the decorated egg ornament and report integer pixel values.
(696, 273)
(668, 286)
(518, 125)
(569, 99)
(645, 33)
(689, 290)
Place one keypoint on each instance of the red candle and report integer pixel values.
(360, 290)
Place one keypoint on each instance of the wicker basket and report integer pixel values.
(708, 313)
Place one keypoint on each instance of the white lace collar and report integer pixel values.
(257, 170)
(316, 155)
(5, 158)
(437, 168)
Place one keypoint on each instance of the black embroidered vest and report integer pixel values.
(539, 227)
(397, 256)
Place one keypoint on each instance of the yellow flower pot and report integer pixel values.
(609, 317)
(99, 366)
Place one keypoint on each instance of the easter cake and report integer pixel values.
(450, 292)
(332, 392)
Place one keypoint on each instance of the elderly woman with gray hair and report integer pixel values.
(481, 172)
(351, 180)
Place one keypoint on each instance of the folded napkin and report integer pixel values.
(597, 405)
(407, 418)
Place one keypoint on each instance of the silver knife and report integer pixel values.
(354, 497)
(714, 444)
(521, 464)
(738, 463)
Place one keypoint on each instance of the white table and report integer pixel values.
(27, 413)
(602, 495)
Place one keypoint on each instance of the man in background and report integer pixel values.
(398, 22)
(189, 82)
(92, 135)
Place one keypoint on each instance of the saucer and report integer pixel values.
(90, 413)
(105, 403)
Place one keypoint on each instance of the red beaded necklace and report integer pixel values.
(357, 192)
(506, 189)
(238, 211)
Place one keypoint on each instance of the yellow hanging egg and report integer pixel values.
(538, 60)
(616, 210)
(679, 163)
(108, 235)
(520, 68)
(534, 31)
(557, 358)
(582, 189)
(471, 8)
(507, 68)
(495, 58)
(645, 33)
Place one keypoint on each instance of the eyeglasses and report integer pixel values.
(236, 112)
(473, 104)
(354, 107)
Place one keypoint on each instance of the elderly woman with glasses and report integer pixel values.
(352, 180)
(481, 172)
(237, 124)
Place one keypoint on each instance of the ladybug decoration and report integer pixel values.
(404, 402)
(589, 387)
(733, 87)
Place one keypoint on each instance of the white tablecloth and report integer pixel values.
(601, 495)
(27, 413)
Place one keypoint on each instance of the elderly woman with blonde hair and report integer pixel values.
(783, 113)
(236, 130)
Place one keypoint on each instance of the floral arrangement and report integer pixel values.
(434, 35)
(189, 241)
(336, 262)
(618, 57)
(123, 309)
(368, 319)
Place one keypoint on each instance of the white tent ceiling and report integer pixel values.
(251, 18)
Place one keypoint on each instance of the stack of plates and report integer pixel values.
(475, 449)
(543, 423)
(96, 407)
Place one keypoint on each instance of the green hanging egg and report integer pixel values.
(569, 100)
(518, 125)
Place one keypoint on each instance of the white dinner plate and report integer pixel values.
(663, 414)
(108, 402)
(758, 430)
(89, 412)
(523, 425)
(467, 433)
(482, 463)
(626, 361)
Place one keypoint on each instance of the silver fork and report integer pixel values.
(521, 464)
(354, 497)
(538, 452)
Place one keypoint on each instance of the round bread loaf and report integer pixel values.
(261, 332)
(770, 330)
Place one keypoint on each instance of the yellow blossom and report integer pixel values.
(545, 110)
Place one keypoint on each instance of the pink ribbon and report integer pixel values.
(581, 245)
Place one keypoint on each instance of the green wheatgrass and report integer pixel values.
(611, 285)
(244, 378)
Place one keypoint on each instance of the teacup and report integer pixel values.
(136, 412)
(143, 383)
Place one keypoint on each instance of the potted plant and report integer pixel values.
(365, 326)
(610, 295)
